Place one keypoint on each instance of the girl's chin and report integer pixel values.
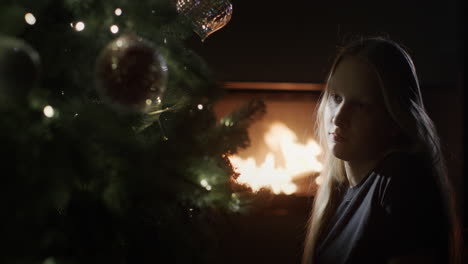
(340, 152)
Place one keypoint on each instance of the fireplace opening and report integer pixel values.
(284, 155)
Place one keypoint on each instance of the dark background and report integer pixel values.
(296, 41)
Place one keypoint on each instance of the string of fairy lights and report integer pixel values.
(79, 25)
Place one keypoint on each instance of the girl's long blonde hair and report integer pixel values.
(400, 88)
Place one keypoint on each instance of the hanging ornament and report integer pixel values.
(207, 16)
(19, 68)
(131, 74)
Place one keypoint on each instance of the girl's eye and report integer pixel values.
(336, 98)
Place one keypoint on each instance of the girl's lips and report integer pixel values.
(338, 138)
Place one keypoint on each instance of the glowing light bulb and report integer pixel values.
(118, 12)
(204, 183)
(119, 43)
(49, 111)
(149, 101)
(200, 107)
(30, 19)
(208, 188)
(80, 26)
(114, 29)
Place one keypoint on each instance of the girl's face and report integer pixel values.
(357, 123)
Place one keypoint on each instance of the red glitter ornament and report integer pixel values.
(131, 74)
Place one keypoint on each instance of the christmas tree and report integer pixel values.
(111, 150)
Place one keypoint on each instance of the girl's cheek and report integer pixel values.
(328, 114)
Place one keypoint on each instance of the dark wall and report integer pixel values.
(295, 40)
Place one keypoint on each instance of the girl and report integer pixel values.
(385, 196)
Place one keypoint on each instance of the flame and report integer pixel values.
(298, 160)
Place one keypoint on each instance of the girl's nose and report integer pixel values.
(341, 117)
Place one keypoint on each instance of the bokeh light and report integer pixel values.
(114, 29)
(30, 18)
(118, 12)
(49, 111)
(80, 26)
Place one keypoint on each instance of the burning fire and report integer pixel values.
(298, 159)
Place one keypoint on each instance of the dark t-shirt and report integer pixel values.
(396, 210)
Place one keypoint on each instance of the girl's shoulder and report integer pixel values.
(412, 202)
(404, 165)
(405, 177)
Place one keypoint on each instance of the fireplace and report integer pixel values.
(284, 155)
